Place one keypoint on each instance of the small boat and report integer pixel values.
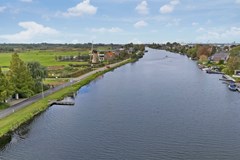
(213, 72)
(205, 69)
(232, 87)
(238, 89)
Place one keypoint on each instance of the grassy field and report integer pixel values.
(46, 58)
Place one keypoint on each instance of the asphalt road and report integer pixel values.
(18, 106)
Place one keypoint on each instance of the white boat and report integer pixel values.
(205, 69)
(233, 87)
(238, 89)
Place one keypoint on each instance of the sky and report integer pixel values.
(119, 21)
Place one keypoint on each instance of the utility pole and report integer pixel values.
(91, 54)
(42, 89)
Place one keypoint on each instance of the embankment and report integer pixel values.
(16, 119)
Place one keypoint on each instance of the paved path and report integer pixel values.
(39, 96)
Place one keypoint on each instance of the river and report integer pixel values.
(161, 107)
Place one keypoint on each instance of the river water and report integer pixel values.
(161, 107)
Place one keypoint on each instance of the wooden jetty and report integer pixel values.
(65, 103)
(227, 78)
(210, 71)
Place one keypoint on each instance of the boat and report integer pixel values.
(238, 89)
(232, 87)
(205, 69)
(228, 78)
(210, 71)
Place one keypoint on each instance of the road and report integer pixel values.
(18, 106)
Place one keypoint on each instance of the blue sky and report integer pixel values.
(119, 21)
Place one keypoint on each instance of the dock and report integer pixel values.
(65, 103)
(228, 78)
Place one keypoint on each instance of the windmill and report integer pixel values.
(94, 56)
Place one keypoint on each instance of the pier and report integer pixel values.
(67, 103)
(228, 78)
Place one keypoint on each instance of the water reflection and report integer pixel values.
(4, 141)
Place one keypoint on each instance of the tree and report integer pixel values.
(192, 52)
(38, 73)
(3, 88)
(6, 89)
(20, 77)
(233, 64)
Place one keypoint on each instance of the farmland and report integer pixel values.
(46, 57)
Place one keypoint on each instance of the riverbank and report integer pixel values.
(17, 118)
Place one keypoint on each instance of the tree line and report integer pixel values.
(22, 80)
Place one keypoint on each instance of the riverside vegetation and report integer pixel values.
(22, 79)
(203, 52)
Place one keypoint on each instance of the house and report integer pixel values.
(236, 74)
(131, 50)
(219, 56)
(109, 55)
(101, 56)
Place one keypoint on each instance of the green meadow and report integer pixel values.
(46, 57)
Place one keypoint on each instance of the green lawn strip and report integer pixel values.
(16, 119)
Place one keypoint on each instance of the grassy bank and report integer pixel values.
(18, 118)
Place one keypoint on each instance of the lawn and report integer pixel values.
(46, 58)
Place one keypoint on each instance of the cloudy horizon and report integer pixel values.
(125, 21)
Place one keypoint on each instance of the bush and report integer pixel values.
(3, 106)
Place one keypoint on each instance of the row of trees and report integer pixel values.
(79, 57)
(22, 80)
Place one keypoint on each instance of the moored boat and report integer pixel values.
(232, 87)
(238, 89)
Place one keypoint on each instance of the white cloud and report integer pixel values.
(142, 8)
(174, 22)
(140, 24)
(80, 9)
(32, 32)
(238, 1)
(105, 30)
(26, 1)
(231, 33)
(168, 8)
(195, 24)
(174, 2)
(2, 8)
(200, 29)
